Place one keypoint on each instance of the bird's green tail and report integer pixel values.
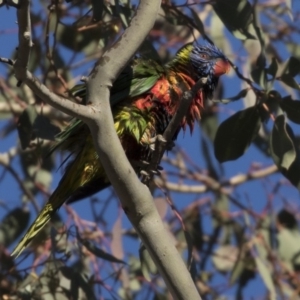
(85, 172)
(40, 222)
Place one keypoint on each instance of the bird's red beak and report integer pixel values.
(222, 66)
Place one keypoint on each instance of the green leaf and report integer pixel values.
(236, 16)
(238, 269)
(12, 225)
(97, 10)
(289, 247)
(291, 108)
(42, 177)
(225, 257)
(243, 93)
(286, 219)
(97, 251)
(43, 128)
(220, 209)
(148, 266)
(78, 281)
(290, 81)
(198, 22)
(293, 48)
(284, 152)
(272, 70)
(281, 144)
(100, 253)
(265, 270)
(25, 125)
(293, 66)
(235, 134)
(174, 17)
(259, 76)
(193, 232)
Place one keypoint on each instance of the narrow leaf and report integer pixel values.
(265, 271)
(281, 145)
(272, 70)
(97, 251)
(25, 125)
(148, 266)
(259, 76)
(289, 80)
(243, 93)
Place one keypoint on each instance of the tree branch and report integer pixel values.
(210, 184)
(135, 197)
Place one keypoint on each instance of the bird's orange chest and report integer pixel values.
(159, 92)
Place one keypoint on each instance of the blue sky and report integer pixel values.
(255, 192)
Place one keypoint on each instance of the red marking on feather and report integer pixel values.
(178, 83)
(197, 104)
(144, 102)
(159, 91)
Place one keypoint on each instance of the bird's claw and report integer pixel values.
(160, 139)
(148, 172)
(143, 165)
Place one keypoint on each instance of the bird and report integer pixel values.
(143, 100)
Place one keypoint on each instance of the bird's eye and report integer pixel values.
(204, 56)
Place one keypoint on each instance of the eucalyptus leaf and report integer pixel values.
(25, 125)
(282, 147)
(97, 251)
(225, 257)
(289, 246)
(293, 66)
(236, 16)
(198, 22)
(284, 152)
(243, 93)
(235, 134)
(265, 270)
(259, 76)
(44, 129)
(12, 225)
(290, 81)
(291, 108)
(272, 70)
(148, 266)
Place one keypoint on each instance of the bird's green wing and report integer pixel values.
(68, 139)
(136, 79)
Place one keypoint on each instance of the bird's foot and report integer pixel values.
(145, 169)
(160, 139)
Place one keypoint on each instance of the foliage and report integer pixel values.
(231, 236)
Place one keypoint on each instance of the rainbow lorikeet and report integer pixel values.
(144, 98)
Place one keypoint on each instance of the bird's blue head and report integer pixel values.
(206, 61)
(209, 61)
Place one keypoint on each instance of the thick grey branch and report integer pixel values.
(135, 197)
